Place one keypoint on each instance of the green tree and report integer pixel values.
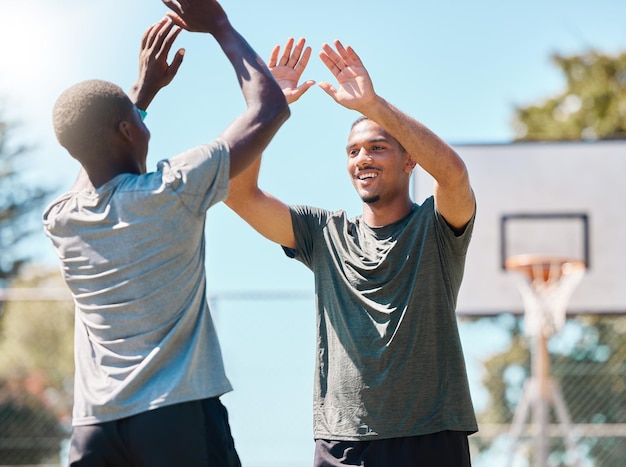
(592, 105)
(20, 202)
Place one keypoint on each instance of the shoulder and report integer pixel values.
(323, 216)
(215, 152)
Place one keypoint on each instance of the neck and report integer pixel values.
(379, 215)
(100, 174)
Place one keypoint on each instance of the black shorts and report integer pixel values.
(443, 449)
(194, 433)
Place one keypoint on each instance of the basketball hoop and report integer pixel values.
(546, 284)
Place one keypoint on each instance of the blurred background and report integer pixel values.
(481, 74)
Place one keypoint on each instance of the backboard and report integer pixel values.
(563, 199)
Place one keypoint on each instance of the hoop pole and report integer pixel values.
(541, 405)
(548, 284)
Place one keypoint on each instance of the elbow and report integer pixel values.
(272, 111)
(280, 111)
(457, 171)
(453, 174)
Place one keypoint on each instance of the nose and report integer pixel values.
(363, 158)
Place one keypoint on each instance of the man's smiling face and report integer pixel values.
(376, 163)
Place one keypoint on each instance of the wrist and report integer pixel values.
(140, 96)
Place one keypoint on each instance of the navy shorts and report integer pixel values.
(194, 433)
(442, 449)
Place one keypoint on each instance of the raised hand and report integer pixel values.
(154, 70)
(288, 70)
(355, 89)
(197, 15)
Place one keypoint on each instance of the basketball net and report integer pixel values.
(546, 284)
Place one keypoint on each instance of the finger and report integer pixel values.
(284, 59)
(303, 62)
(169, 39)
(341, 49)
(328, 89)
(155, 31)
(352, 57)
(177, 20)
(330, 63)
(273, 56)
(176, 62)
(174, 6)
(147, 38)
(304, 87)
(297, 52)
(162, 33)
(332, 59)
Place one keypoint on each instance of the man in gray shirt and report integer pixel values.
(391, 387)
(149, 370)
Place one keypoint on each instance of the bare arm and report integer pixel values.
(265, 213)
(154, 73)
(452, 190)
(250, 133)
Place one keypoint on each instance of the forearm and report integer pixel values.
(140, 95)
(265, 213)
(267, 107)
(427, 149)
(241, 188)
(257, 84)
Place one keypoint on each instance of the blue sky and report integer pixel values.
(459, 67)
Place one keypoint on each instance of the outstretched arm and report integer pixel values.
(453, 193)
(154, 73)
(268, 215)
(250, 133)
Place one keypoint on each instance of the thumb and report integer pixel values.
(328, 89)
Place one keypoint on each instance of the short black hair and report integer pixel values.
(85, 113)
(362, 118)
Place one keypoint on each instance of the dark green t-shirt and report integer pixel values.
(389, 360)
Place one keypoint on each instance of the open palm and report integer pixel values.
(288, 69)
(354, 85)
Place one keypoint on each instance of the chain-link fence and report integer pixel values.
(273, 383)
(585, 394)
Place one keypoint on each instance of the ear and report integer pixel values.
(125, 130)
(409, 164)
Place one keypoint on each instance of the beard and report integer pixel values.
(371, 199)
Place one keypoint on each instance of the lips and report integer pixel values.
(366, 175)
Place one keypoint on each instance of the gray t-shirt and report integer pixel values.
(389, 360)
(132, 254)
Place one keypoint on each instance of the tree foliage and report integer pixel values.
(592, 105)
(20, 201)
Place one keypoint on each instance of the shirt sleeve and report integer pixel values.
(307, 223)
(457, 244)
(200, 175)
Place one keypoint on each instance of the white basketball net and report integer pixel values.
(545, 301)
